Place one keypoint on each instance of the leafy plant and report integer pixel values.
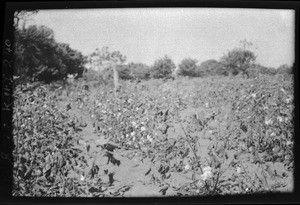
(187, 67)
(163, 68)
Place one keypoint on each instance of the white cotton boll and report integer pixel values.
(149, 138)
(280, 119)
(288, 100)
(268, 122)
(187, 167)
(206, 169)
(203, 177)
(207, 175)
(239, 170)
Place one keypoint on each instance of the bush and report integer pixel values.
(266, 70)
(211, 68)
(38, 57)
(139, 71)
(187, 67)
(238, 60)
(125, 72)
(91, 75)
(285, 69)
(163, 68)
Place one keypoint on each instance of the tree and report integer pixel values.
(71, 59)
(22, 16)
(284, 68)
(187, 67)
(211, 68)
(38, 57)
(239, 59)
(139, 71)
(108, 61)
(163, 68)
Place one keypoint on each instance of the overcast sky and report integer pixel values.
(145, 35)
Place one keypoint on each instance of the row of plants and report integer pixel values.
(47, 160)
(247, 126)
(260, 121)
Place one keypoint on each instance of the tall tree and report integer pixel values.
(239, 59)
(105, 59)
(38, 57)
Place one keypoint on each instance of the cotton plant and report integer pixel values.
(207, 173)
(205, 182)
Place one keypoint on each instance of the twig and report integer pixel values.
(217, 180)
(248, 175)
(219, 176)
(196, 157)
(264, 175)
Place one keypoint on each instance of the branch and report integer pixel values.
(197, 158)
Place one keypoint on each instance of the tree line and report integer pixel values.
(39, 57)
(238, 61)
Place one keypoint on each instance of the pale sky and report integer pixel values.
(145, 35)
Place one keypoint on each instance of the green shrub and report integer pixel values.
(187, 67)
(211, 68)
(163, 68)
(139, 71)
(238, 60)
(285, 69)
(125, 72)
